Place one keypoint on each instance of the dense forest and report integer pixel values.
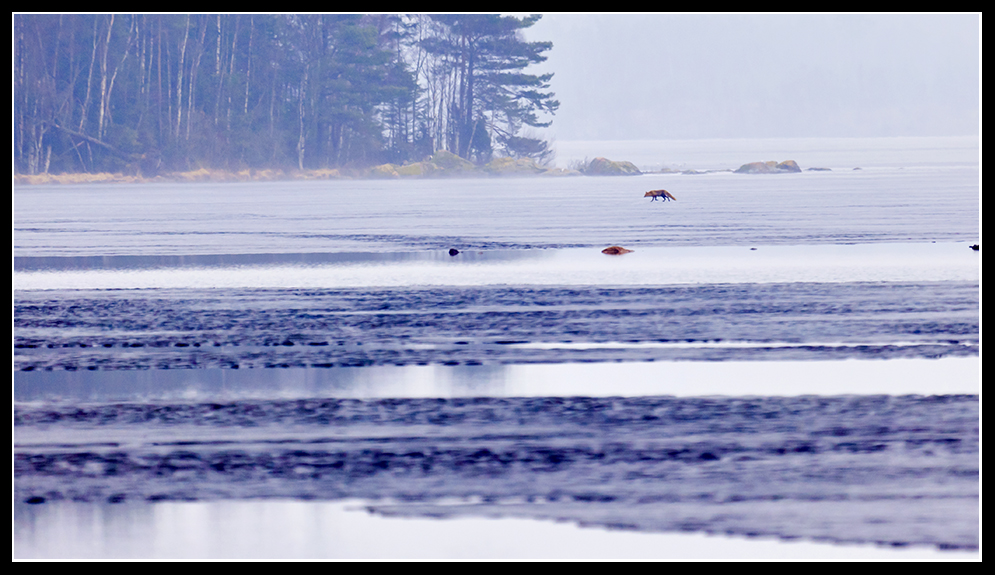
(153, 93)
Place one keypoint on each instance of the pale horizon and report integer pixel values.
(730, 76)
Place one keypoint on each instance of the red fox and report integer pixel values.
(659, 194)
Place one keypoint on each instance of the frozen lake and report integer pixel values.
(882, 204)
(792, 356)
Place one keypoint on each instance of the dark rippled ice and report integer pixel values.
(255, 328)
(896, 470)
(890, 469)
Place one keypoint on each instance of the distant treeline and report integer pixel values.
(144, 94)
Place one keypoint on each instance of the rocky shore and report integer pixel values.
(770, 167)
(442, 164)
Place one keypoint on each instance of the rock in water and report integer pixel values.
(770, 167)
(605, 167)
(615, 250)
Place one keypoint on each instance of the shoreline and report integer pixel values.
(687, 157)
(253, 175)
(429, 169)
(201, 175)
(278, 175)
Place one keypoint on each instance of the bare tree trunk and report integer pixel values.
(300, 112)
(103, 79)
(140, 38)
(166, 44)
(217, 55)
(179, 77)
(90, 139)
(148, 67)
(231, 72)
(248, 68)
(218, 71)
(193, 76)
(158, 115)
(110, 87)
(89, 78)
(34, 155)
(272, 106)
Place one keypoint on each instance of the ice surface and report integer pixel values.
(695, 387)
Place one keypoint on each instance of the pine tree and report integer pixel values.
(485, 58)
(144, 93)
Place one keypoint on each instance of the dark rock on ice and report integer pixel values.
(606, 167)
(770, 167)
(615, 250)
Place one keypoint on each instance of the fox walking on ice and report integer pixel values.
(659, 194)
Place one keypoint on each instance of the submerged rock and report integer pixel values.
(384, 171)
(450, 162)
(513, 167)
(414, 170)
(755, 168)
(615, 250)
(605, 167)
(442, 163)
(557, 172)
(770, 167)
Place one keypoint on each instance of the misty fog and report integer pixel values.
(688, 76)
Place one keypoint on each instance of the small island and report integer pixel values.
(441, 164)
(770, 167)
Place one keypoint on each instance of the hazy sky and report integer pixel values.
(687, 76)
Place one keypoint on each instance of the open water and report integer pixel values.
(786, 356)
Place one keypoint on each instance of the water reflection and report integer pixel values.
(645, 266)
(342, 530)
(137, 262)
(901, 470)
(625, 379)
(477, 380)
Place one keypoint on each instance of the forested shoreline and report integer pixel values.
(149, 94)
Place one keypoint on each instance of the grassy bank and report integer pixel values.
(441, 165)
(201, 175)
